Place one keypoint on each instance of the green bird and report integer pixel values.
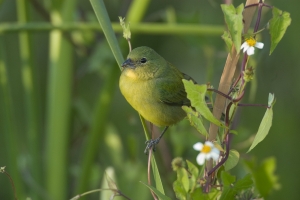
(154, 88)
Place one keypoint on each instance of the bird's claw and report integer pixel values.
(151, 144)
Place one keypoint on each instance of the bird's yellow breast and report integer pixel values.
(142, 96)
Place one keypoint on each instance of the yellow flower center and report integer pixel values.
(206, 149)
(251, 41)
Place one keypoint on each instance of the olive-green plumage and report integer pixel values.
(153, 87)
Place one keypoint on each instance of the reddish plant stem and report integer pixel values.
(227, 120)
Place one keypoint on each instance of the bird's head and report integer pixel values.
(143, 63)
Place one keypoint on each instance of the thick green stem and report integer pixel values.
(9, 125)
(59, 102)
(137, 28)
(33, 120)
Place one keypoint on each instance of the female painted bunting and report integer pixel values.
(154, 88)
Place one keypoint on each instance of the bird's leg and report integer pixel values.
(152, 143)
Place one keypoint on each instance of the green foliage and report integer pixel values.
(195, 120)
(263, 175)
(234, 20)
(278, 25)
(186, 186)
(231, 187)
(160, 195)
(49, 86)
(265, 124)
(227, 39)
(232, 160)
(196, 94)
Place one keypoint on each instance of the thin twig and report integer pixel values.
(2, 170)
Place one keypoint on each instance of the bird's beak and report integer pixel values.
(128, 63)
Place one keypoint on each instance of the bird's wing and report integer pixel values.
(173, 93)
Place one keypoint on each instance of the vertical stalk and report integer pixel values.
(9, 124)
(31, 106)
(101, 111)
(59, 101)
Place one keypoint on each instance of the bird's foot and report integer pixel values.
(151, 144)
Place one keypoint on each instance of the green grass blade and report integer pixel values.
(156, 175)
(103, 18)
(59, 102)
(33, 122)
(11, 143)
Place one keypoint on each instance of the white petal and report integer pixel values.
(200, 158)
(259, 45)
(209, 143)
(250, 51)
(244, 45)
(208, 156)
(198, 146)
(215, 153)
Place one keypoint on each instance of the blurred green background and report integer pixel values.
(63, 121)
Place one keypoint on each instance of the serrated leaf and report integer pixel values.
(234, 20)
(228, 41)
(227, 179)
(196, 94)
(278, 25)
(160, 195)
(263, 129)
(232, 160)
(195, 121)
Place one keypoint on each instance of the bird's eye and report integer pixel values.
(143, 60)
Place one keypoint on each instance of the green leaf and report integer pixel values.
(195, 120)
(244, 183)
(198, 194)
(230, 191)
(183, 178)
(234, 21)
(264, 127)
(192, 169)
(233, 132)
(158, 193)
(278, 25)
(194, 174)
(264, 176)
(227, 179)
(227, 39)
(157, 178)
(179, 190)
(232, 160)
(196, 94)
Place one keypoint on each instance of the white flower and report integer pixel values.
(207, 151)
(249, 45)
